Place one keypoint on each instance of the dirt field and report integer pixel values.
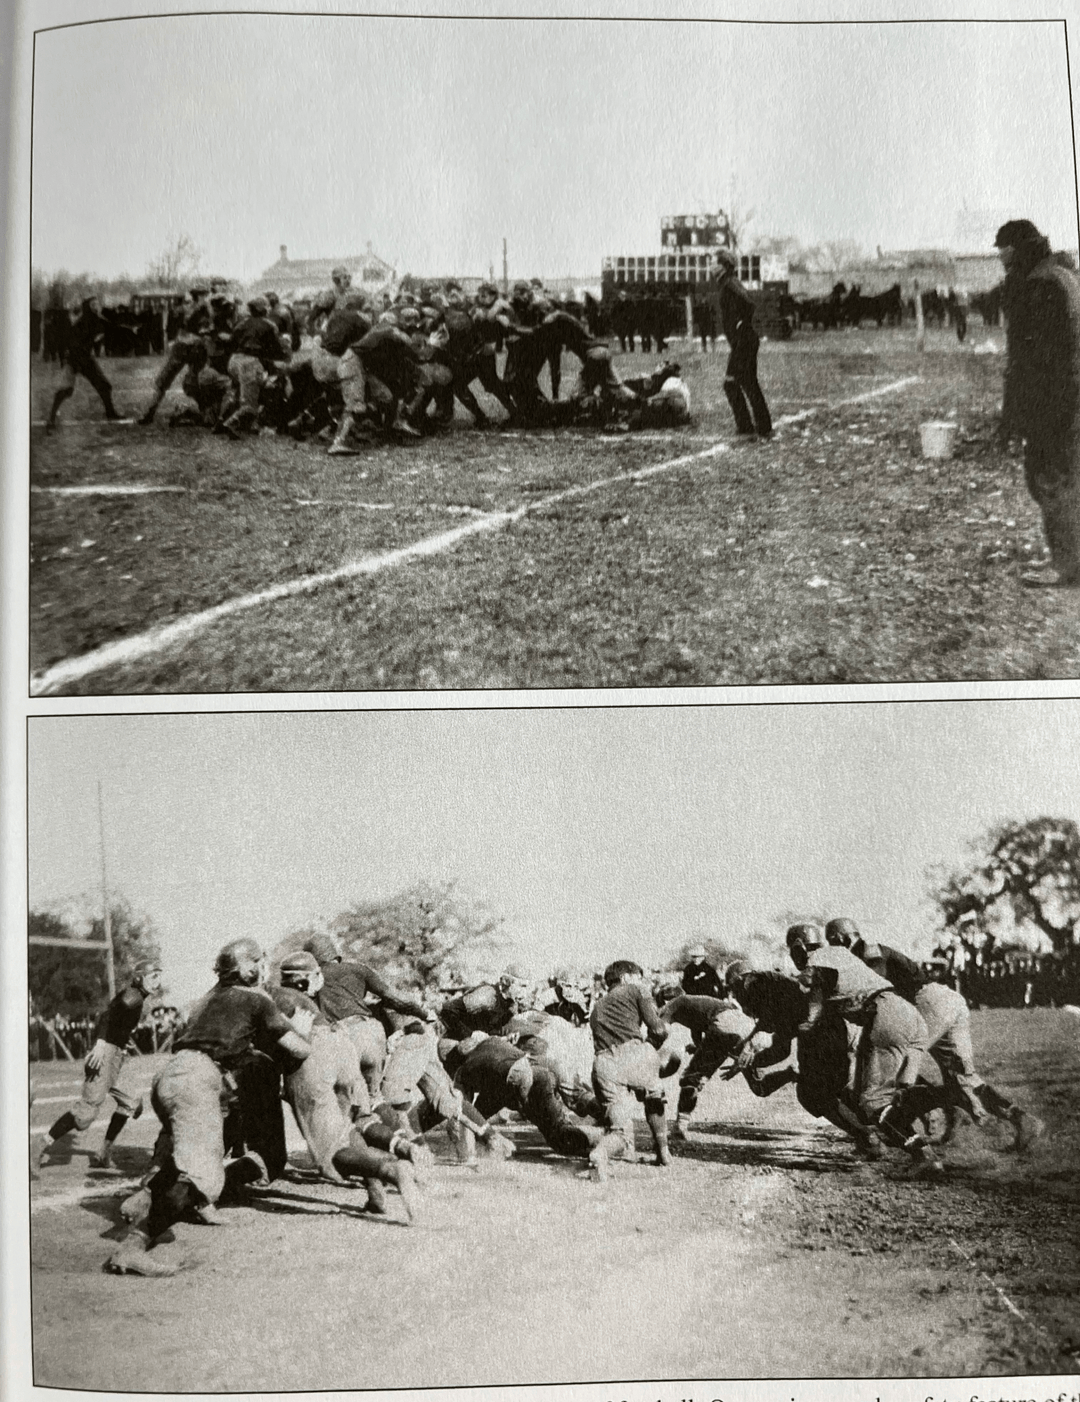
(764, 1251)
(831, 554)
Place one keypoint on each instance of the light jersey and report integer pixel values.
(844, 979)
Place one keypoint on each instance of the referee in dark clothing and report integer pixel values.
(740, 379)
(699, 978)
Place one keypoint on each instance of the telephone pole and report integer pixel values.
(110, 958)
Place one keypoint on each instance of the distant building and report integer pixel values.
(297, 277)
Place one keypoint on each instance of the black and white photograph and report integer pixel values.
(538, 701)
(430, 1049)
(446, 352)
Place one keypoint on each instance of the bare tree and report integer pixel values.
(739, 215)
(176, 264)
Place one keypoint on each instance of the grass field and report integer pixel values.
(765, 1251)
(830, 554)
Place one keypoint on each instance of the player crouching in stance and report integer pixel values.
(329, 1098)
(103, 1067)
(625, 1067)
(215, 1057)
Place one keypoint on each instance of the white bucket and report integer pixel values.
(938, 438)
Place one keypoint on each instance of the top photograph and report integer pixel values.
(385, 353)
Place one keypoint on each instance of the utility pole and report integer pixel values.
(506, 274)
(110, 958)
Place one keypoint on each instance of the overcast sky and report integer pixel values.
(597, 833)
(434, 138)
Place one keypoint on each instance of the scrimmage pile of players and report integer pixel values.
(869, 1042)
(349, 370)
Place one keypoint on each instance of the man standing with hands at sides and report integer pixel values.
(699, 978)
(1042, 389)
(740, 379)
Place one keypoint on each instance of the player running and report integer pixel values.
(102, 1070)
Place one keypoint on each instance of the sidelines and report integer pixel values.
(105, 489)
(155, 640)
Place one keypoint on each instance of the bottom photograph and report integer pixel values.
(458, 1048)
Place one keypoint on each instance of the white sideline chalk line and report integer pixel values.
(115, 423)
(1009, 1305)
(155, 639)
(74, 1196)
(137, 489)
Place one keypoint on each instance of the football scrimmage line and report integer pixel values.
(156, 640)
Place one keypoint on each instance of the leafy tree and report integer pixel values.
(419, 938)
(74, 981)
(1019, 875)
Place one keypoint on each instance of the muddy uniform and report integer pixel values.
(187, 349)
(344, 999)
(257, 353)
(892, 1040)
(392, 367)
(115, 1029)
(215, 1067)
(626, 1068)
(499, 1075)
(948, 1024)
(718, 1029)
(336, 362)
(208, 383)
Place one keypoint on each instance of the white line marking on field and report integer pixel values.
(114, 423)
(360, 505)
(1009, 1305)
(136, 489)
(156, 639)
(74, 1196)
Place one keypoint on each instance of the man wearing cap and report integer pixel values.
(103, 1066)
(699, 977)
(740, 378)
(1042, 389)
(186, 349)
